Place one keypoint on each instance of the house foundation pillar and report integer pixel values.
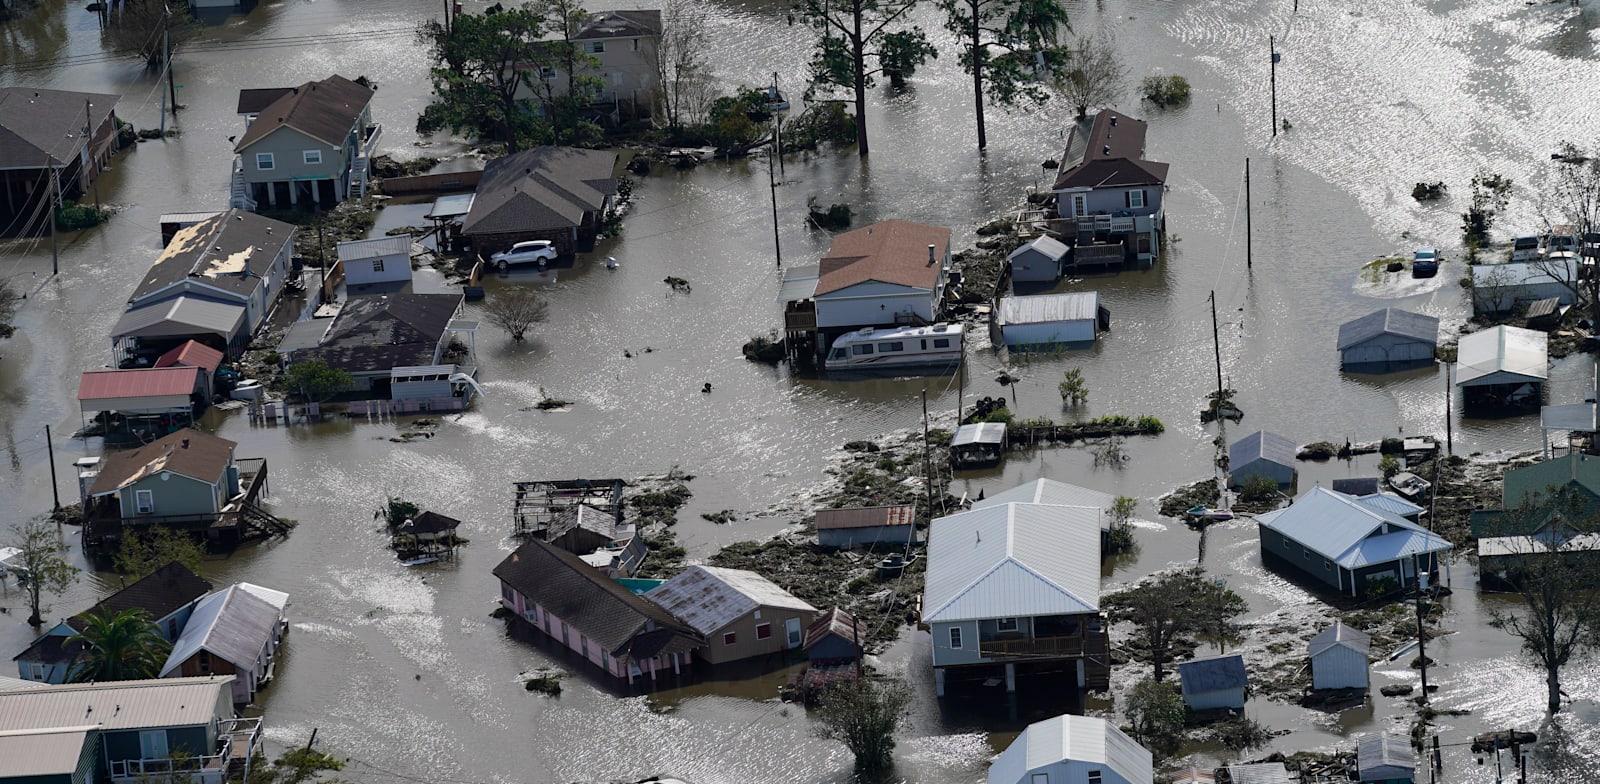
(1011, 678)
(938, 682)
(294, 193)
(272, 194)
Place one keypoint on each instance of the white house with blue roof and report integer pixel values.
(1357, 546)
(1015, 588)
(1071, 749)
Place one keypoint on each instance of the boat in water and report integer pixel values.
(1409, 485)
(1203, 512)
(933, 346)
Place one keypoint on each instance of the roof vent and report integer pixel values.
(184, 444)
(931, 260)
(1113, 119)
(1106, 150)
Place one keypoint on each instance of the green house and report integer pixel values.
(1575, 475)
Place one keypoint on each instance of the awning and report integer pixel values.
(178, 317)
(1502, 355)
(799, 283)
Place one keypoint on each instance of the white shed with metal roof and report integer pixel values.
(1261, 454)
(377, 260)
(1382, 758)
(1038, 261)
(1052, 319)
(1070, 749)
(1503, 355)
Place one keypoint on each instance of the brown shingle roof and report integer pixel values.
(159, 593)
(324, 110)
(620, 24)
(585, 597)
(540, 189)
(1113, 155)
(891, 251)
(865, 517)
(187, 452)
(35, 122)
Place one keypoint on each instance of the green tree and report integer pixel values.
(42, 561)
(1167, 607)
(1389, 465)
(863, 715)
(1074, 392)
(125, 646)
(1258, 488)
(1155, 717)
(1215, 608)
(1490, 194)
(142, 553)
(855, 33)
(1001, 42)
(574, 84)
(295, 766)
(315, 381)
(1121, 513)
(482, 65)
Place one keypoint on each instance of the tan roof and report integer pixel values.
(892, 251)
(188, 452)
(115, 705)
(865, 517)
(324, 110)
(54, 751)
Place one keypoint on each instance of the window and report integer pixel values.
(764, 631)
(313, 157)
(955, 637)
(941, 342)
(35, 671)
(264, 160)
(203, 661)
(730, 638)
(144, 501)
(861, 349)
(1327, 564)
(898, 345)
(1007, 624)
(547, 73)
(377, 265)
(1080, 205)
(153, 744)
(1136, 199)
(840, 353)
(595, 47)
(635, 44)
(1093, 777)
(1039, 778)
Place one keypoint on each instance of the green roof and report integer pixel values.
(1575, 472)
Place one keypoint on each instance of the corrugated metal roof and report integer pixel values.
(191, 354)
(1262, 444)
(1213, 674)
(43, 752)
(1339, 635)
(1013, 560)
(187, 217)
(1053, 493)
(115, 705)
(355, 250)
(1571, 416)
(1543, 307)
(232, 624)
(8, 683)
(1390, 503)
(1260, 773)
(979, 433)
(1502, 355)
(304, 334)
(137, 382)
(1389, 321)
(180, 316)
(1524, 545)
(1049, 308)
(1520, 274)
(835, 622)
(278, 599)
(1344, 530)
(1075, 738)
(865, 517)
(799, 283)
(710, 597)
(1381, 756)
(1049, 247)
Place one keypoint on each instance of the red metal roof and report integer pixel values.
(192, 354)
(143, 382)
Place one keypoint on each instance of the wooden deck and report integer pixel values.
(241, 519)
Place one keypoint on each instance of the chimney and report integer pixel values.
(184, 444)
(931, 260)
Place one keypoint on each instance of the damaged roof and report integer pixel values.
(188, 452)
(710, 597)
(233, 251)
(380, 332)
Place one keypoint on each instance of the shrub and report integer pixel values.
(1001, 414)
(1258, 489)
(1389, 465)
(1074, 391)
(1151, 426)
(1428, 191)
(1164, 91)
(73, 216)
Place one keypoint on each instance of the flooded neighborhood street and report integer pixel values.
(404, 671)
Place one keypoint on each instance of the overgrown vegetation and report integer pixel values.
(1428, 191)
(1155, 715)
(1120, 536)
(143, 552)
(1165, 608)
(1074, 392)
(1258, 488)
(821, 122)
(72, 216)
(316, 381)
(1165, 90)
(863, 715)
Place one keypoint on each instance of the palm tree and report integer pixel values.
(120, 647)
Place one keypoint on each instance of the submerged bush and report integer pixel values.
(1164, 91)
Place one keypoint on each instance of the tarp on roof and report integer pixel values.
(709, 597)
(1049, 308)
(137, 382)
(1013, 560)
(1085, 739)
(1503, 355)
(182, 315)
(1389, 321)
(799, 283)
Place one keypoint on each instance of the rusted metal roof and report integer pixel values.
(192, 354)
(140, 382)
(865, 517)
(709, 597)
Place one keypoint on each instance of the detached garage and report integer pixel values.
(1388, 339)
(1045, 320)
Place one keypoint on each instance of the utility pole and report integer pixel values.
(50, 173)
(88, 142)
(55, 487)
(1422, 632)
(1449, 399)
(772, 182)
(927, 459)
(1249, 255)
(166, 46)
(777, 125)
(1272, 44)
(1216, 344)
(447, 17)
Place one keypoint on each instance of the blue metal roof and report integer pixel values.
(1213, 674)
(1262, 444)
(1349, 532)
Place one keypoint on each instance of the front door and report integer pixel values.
(791, 628)
(1080, 205)
(153, 744)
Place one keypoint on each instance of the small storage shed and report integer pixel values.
(1503, 365)
(1339, 658)
(1038, 261)
(1043, 320)
(1260, 773)
(1500, 288)
(1388, 337)
(378, 260)
(1545, 314)
(1385, 759)
(835, 637)
(1071, 749)
(1261, 454)
(866, 526)
(978, 444)
(1214, 683)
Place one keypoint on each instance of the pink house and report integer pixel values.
(579, 606)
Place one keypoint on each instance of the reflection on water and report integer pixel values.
(404, 671)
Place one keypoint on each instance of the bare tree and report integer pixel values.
(515, 310)
(1559, 612)
(684, 89)
(43, 561)
(1491, 289)
(1576, 193)
(9, 299)
(1092, 74)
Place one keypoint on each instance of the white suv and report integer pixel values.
(539, 251)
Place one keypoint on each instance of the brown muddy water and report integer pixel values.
(403, 670)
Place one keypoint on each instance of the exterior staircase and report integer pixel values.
(239, 191)
(260, 522)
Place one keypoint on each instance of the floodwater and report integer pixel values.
(403, 671)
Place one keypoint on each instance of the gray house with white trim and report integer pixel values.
(1348, 543)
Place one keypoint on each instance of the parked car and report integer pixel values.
(1525, 248)
(540, 251)
(1424, 263)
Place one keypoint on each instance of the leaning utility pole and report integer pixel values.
(55, 487)
(1216, 345)
(1272, 44)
